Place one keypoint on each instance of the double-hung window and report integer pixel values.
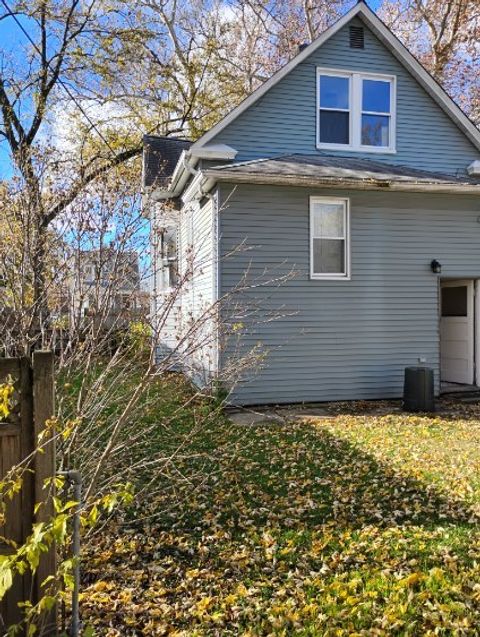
(329, 238)
(356, 111)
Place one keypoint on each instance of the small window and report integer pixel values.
(172, 257)
(329, 241)
(356, 111)
(169, 255)
(334, 109)
(455, 301)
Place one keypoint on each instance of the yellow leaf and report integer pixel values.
(411, 580)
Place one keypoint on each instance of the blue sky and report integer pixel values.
(12, 43)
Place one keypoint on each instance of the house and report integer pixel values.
(105, 288)
(351, 181)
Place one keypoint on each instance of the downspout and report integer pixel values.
(216, 282)
(154, 275)
(186, 164)
(195, 172)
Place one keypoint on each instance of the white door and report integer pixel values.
(457, 332)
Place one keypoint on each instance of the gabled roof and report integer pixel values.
(326, 170)
(160, 156)
(383, 33)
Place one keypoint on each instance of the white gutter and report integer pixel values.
(334, 182)
(183, 170)
(200, 187)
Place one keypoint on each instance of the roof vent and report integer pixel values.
(303, 46)
(474, 168)
(357, 39)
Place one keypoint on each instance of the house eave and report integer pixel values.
(221, 152)
(212, 176)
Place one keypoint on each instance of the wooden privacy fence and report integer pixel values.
(32, 406)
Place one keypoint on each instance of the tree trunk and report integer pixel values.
(39, 311)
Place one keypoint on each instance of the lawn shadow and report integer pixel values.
(285, 511)
(297, 475)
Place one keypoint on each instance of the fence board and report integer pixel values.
(10, 453)
(33, 404)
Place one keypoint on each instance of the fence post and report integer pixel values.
(44, 410)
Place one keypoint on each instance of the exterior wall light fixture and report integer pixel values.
(436, 266)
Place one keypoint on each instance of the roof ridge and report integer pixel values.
(167, 138)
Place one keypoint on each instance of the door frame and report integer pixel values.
(473, 307)
(476, 332)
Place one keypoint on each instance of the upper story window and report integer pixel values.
(356, 111)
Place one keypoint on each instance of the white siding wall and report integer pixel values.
(197, 264)
(165, 321)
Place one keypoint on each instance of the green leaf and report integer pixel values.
(69, 505)
(46, 603)
(6, 577)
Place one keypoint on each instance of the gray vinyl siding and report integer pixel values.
(283, 121)
(336, 340)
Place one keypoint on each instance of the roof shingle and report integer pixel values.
(329, 168)
(160, 156)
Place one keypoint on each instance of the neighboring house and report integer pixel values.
(353, 170)
(105, 288)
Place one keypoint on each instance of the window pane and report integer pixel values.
(328, 256)
(328, 220)
(375, 130)
(334, 127)
(334, 92)
(376, 96)
(454, 301)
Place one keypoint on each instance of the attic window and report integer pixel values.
(357, 39)
(355, 111)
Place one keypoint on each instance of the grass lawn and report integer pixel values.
(364, 522)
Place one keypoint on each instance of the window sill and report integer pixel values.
(319, 277)
(358, 149)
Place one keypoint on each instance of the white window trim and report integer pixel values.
(355, 89)
(345, 201)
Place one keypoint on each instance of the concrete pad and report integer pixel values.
(276, 415)
(300, 414)
(249, 418)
